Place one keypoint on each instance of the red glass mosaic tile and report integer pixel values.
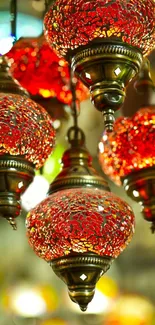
(70, 24)
(80, 220)
(130, 146)
(25, 129)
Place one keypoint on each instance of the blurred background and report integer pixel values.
(30, 293)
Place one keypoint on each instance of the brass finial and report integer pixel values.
(12, 223)
(106, 67)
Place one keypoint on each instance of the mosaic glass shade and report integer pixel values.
(39, 70)
(130, 147)
(25, 129)
(70, 24)
(80, 220)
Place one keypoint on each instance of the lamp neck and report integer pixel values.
(13, 19)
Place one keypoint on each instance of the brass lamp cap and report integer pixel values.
(81, 272)
(77, 170)
(15, 176)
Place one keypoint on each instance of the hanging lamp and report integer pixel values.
(105, 41)
(41, 72)
(26, 139)
(80, 227)
(26, 136)
(127, 155)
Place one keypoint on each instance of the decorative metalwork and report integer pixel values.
(106, 67)
(81, 274)
(16, 174)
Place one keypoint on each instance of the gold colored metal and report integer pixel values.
(77, 168)
(106, 67)
(12, 223)
(15, 175)
(81, 272)
(140, 186)
(7, 83)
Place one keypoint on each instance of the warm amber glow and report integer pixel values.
(46, 93)
(108, 287)
(131, 310)
(54, 321)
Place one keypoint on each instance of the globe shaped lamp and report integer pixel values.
(127, 156)
(105, 41)
(80, 227)
(41, 72)
(26, 139)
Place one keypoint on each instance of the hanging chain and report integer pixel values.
(73, 85)
(13, 19)
(75, 134)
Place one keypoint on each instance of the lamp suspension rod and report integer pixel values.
(13, 19)
(46, 5)
(75, 134)
(74, 99)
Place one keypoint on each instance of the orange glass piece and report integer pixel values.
(130, 146)
(41, 72)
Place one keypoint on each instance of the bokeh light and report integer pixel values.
(131, 310)
(27, 25)
(28, 300)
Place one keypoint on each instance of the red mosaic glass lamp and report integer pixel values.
(127, 155)
(81, 226)
(26, 139)
(105, 41)
(41, 72)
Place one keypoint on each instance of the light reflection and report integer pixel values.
(5, 45)
(35, 193)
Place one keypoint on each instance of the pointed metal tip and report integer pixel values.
(12, 223)
(83, 307)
